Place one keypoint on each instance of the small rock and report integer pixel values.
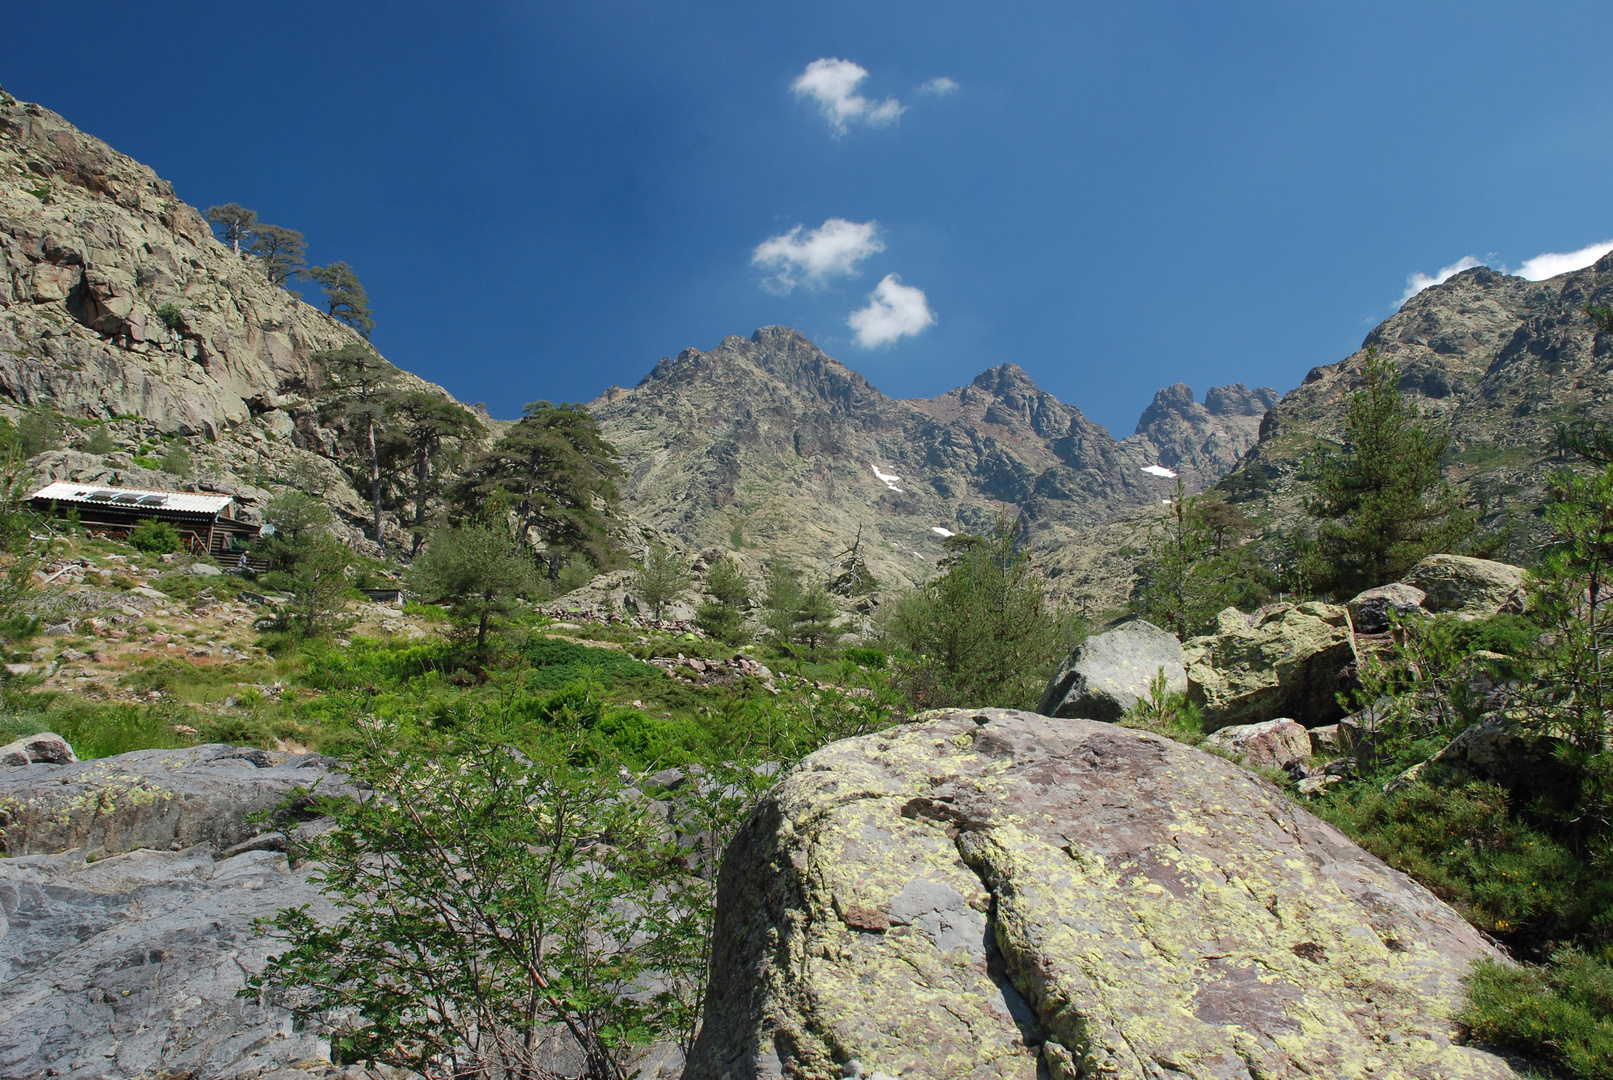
(1313, 785)
(46, 748)
(666, 779)
(101, 657)
(1325, 740)
(132, 612)
(73, 656)
(1371, 612)
(1277, 743)
(202, 569)
(149, 593)
(19, 669)
(159, 639)
(61, 629)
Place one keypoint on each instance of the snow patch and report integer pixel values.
(937, 530)
(1159, 470)
(890, 479)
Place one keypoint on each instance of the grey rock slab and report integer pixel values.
(152, 798)
(1105, 675)
(130, 965)
(995, 894)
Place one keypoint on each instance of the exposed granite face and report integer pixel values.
(93, 244)
(772, 440)
(1202, 442)
(982, 892)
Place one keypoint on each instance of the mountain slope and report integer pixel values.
(770, 442)
(1502, 359)
(95, 249)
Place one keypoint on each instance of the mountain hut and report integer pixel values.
(207, 522)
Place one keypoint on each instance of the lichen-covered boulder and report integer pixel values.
(1284, 660)
(152, 798)
(1277, 743)
(1105, 675)
(1373, 611)
(989, 893)
(1469, 586)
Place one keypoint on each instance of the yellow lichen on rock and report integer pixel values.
(980, 893)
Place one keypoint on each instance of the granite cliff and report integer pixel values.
(118, 304)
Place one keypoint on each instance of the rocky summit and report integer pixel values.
(997, 894)
(767, 442)
(1503, 360)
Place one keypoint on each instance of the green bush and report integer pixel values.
(155, 538)
(171, 316)
(1562, 1013)
(864, 657)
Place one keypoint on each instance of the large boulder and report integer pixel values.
(1284, 660)
(990, 893)
(45, 748)
(1105, 675)
(151, 799)
(1469, 586)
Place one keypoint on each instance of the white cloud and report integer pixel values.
(799, 257)
(832, 83)
(939, 86)
(890, 480)
(1416, 283)
(894, 310)
(1553, 263)
(1159, 470)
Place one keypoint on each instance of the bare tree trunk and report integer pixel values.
(375, 488)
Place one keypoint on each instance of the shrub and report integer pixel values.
(155, 537)
(1562, 1013)
(171, 316)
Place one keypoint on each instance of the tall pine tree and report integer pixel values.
(1381, 501)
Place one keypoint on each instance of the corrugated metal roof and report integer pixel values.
(187, 502)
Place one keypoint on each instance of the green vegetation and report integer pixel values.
(480, 571)
(981, 633)
(662, 579)
(559, 475)
(1381, 502)
(155, 537)
(176, 459)
(1198, 566)
(232, 221)
(170, 316)
(723, 615)
(358, 381)
(279, 251)
(345, 297)
(798, 616)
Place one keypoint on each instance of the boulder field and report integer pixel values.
(993, 893)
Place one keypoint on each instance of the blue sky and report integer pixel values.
(543, 199)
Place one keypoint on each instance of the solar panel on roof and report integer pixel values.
(100, 496)
(126, 499)
(153, 500)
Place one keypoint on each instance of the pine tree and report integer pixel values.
(232, 220)
(279, 251)
(561, 475)
(723, 616)
(344, 294)
(423, 420)
(360, 379)
(1382, 502)
(479, 570)
(661, 579)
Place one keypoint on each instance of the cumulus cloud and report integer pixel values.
(939, 86)
(894, 311)
(832, 83)
(1416, 283)
(799, 257)
(1553, 263)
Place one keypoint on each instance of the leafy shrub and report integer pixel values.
(155, 537)
(557, 663)
(865, 657)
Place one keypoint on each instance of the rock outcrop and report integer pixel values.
(130, 965)
(1108, 673)
(1274, 743)
(163, 799)
(119, 305)
(1284, 660)
(994, 893)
